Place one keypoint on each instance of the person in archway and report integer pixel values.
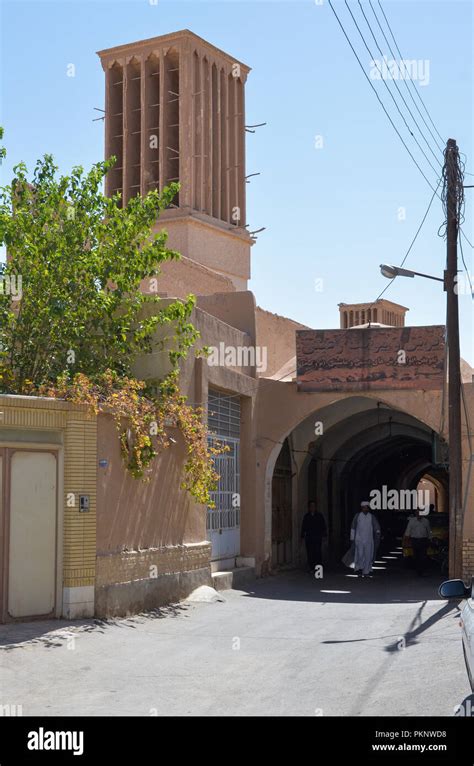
(365, 534)
(313, 530)
(419, 532)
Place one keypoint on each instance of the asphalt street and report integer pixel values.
(288, 645)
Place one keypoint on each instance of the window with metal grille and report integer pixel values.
(226, 497)
(224, 427)
(223, 414)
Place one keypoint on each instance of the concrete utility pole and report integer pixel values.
(452, 175)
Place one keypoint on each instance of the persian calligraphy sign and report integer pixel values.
(370, 358)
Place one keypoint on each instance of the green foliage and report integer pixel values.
(3, 151)
(144, 424)
(81, 259)
(80, 320)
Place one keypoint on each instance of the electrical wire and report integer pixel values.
(465, 237)
(411, 244)
(415, 89)
(377, 96)
(439, 144)
(399, 91)
(464, 262)
(454, 168)
(390, 92)
(434, 189)
(453, 177)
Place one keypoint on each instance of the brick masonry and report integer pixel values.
(130, 566)
(134, 581)
(370, 359)
(468, 559)
(80, 477)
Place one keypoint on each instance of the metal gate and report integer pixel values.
(223, 521)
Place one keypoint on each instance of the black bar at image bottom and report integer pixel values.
(31, 740)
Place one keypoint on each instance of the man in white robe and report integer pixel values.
(365, 533)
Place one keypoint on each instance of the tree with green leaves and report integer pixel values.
(81, 259)
(73, 318)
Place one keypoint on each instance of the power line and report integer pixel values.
(465, 237)
(393, 99)
(460, 171)
(399, 91)
(411, 244)
(461, 212)
(415, 89)
(435, 190)
(464, 262)
(440, 146)
(390, 92)
(378, 97)
(453, 170)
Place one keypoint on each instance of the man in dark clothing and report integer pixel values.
(312, 532)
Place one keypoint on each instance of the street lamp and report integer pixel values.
(396, 271)
(454, 399)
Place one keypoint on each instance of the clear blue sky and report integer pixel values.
(330, 213)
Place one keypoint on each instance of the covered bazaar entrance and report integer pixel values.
(357, 449)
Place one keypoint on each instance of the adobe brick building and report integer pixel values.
(306, 414)
(372, 411)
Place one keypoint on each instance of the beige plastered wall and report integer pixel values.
(71, 430)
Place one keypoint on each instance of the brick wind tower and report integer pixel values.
(175, 110)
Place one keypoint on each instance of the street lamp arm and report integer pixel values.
(428, 276)
(390, 272)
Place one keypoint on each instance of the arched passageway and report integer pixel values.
(358, 449)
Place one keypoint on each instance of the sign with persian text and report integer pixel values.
(370, 359)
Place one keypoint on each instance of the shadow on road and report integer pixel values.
(56, 633)
(392, 582)
(411, 635)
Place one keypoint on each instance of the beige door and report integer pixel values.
(32, 533)
(3, 540)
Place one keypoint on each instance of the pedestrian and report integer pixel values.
(313, 530)
(365, 533)
(419, 533)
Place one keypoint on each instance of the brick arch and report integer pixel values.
(425, 415)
